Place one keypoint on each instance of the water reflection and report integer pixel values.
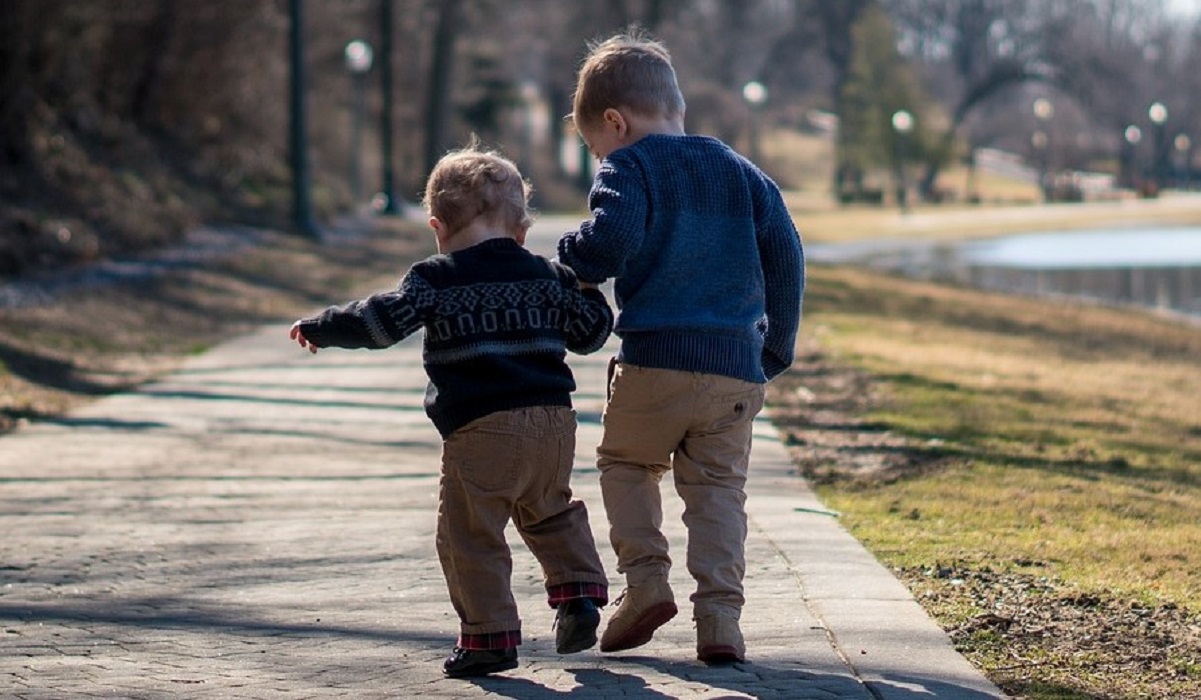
(1158, 268)
(1162, 247)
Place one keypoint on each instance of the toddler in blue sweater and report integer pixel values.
(497, 323)
(708, 274)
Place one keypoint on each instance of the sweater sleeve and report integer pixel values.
(598, 250)
(592, 324)
(379, 321)
(589, 317)
(783, 260)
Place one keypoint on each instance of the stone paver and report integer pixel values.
(260, 524)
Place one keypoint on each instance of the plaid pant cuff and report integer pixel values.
(561, 593)
(491, 640)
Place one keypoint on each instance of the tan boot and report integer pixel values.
(719, 640)
(641, 610)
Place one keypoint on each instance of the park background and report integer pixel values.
(1034, 476)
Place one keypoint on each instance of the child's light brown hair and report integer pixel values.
(628, 70)
(471, 183)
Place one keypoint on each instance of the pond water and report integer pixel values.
(1154, 267)
(1157, 247)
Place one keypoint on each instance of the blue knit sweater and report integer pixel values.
(708, 266)
(497, 319)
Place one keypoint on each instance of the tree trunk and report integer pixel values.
(439, 91)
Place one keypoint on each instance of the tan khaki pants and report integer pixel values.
(510, 465)
(698, 426)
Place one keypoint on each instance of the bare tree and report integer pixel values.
(988, 46)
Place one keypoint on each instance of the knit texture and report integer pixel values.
(708, 266)
(497, 323)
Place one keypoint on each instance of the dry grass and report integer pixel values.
(1049, 442)
(1069, 428)
(98, 340)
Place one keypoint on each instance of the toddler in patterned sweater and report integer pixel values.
(497, 323)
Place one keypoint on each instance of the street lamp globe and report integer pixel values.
(1182, 142)
(754, 93)
(1158, 113)
(902, 121)
(1043, 109)
(1133, 134)
(359, 56)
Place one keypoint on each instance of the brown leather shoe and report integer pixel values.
(719, 640)
(641, 610)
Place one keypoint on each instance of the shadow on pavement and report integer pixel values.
(589, 683)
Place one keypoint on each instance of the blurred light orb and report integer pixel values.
(754, 92)
(359, 56)
(1133, 134)
(1044, 109)
(1158, 113)
(902, 121)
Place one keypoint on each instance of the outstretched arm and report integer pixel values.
(379, 321)
(298, 335)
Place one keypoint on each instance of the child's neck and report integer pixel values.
(473, 233)
(641, 126)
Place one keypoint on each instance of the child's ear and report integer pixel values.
(439, 227)
(614, 119)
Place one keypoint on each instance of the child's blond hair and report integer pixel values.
(471, 183)
(629, 70)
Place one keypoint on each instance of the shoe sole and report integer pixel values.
(720, 654)
(482, 671)
(571, 645)
(578, 645)
(641, 631)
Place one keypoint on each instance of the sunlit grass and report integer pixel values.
(1070, 435)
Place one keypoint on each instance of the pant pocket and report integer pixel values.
(484, 460)
(734, 408)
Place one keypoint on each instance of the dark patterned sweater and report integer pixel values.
(708, 266)
(497, 319)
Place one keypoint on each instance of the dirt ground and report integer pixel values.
(91, 341)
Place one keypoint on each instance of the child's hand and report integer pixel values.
(296, 335)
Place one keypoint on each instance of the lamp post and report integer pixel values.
(755, 95)
(302, 200)
(386, 199)
(359, 56)
(1131, 137)
(902, 124)
(1184, 147)
(1158, 114)
(1043, 111)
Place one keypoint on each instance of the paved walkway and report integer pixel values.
(260, 525)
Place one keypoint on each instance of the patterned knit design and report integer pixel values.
(708, 264)
(497, 323)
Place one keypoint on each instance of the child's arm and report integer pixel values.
(590, 320)
(379, 321)
(297, 334)
(783, 261)
(598, 250)
(592, 324)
